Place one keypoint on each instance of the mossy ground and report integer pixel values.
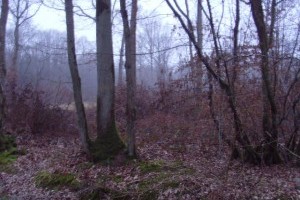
(153, 178)
(56, 180)
(163, 177)
(162, 166)
(7, 142)
(8, 152)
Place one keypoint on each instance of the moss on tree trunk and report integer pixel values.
(107, 145)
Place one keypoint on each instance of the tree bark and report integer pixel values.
(130, 66)
(121, 63)
(235, 43)
(81, 116)
(15, 56)
(200, 43)
(3, 22)
(270, 130)
(108, 141)
(190, 28)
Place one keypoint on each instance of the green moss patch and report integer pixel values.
(107, 146)
(163, 175)
(56, 180)
(151, 188)
(8, 153)
(148, 167)
(85, 165)
(153, 179)
(8, 156)
(7, 142)
(162, 166)
(104, 178)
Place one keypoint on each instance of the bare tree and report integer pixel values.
(154, 52)
(82, 122)
(241, 137)
(199, 71)
(270, 128)
(20, 10)
(130, 66)
(190, 28)
(3, 22)
(108, 142)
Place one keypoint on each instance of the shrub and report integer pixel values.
(30, 110)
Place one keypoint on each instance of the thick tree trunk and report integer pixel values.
(270, 152)
(3, 22)
(108, 142)
(130, 65)
(82, 123)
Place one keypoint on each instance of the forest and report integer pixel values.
(137, 99)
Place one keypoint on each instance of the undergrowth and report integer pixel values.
(56, 180)
(161, 176)
(8, 152)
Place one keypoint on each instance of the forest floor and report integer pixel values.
(198, 170)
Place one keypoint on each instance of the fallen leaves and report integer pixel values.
(161, 174)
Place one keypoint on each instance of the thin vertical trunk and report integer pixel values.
(13, 72)
(121, 62)
(211, 102)
(291, 144)
(199, 25)
(3, 22)
(131, 86)
(235, 42)
(190, 28)
(200, 44)
(81, 117)
(130, 65)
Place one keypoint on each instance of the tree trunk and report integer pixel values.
(130, 65)
(271, 155)
(121, 63)
(235, 43)
(108, 143)
(200, 44)
(3, 22)
(15, 59)
(82, 123)
(211, 102)
(190, 28)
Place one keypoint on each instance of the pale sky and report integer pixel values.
(48, 18)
